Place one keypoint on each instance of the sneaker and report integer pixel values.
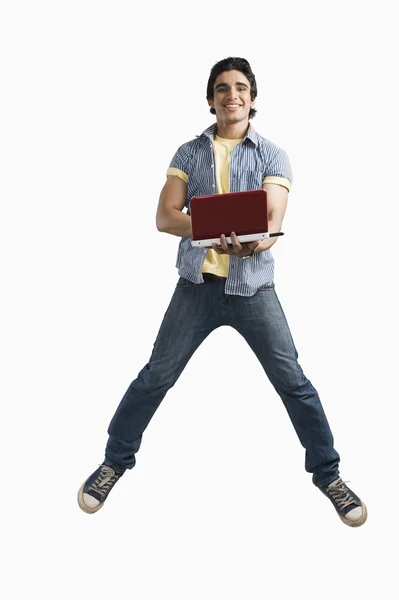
(351, 510)
(96, 488)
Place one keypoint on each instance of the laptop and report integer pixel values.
(242, 212)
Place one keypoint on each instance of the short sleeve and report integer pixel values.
(177, 173)
(278, 169)
(179, 163)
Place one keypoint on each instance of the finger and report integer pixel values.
(217, 248)
(236, 244)
(223, 243)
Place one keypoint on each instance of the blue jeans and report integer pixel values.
(194, 312)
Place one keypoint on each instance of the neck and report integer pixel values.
(232, 131)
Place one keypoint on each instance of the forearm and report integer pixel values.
(176, 223)
(274, 226)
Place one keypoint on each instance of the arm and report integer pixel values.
(277, 199)
(169, 217)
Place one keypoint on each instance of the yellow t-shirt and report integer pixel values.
(215, 263)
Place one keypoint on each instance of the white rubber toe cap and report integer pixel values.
(354, 514)
(93, 502)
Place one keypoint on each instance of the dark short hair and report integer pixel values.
(233, 63)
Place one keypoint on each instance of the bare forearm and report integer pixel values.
(274, 226)
(176, 223)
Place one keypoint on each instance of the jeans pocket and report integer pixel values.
(267, 288)
(184, 283)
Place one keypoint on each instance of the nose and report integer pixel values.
(233, 94)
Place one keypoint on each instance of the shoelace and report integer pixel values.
(341, 495)
(104, 481)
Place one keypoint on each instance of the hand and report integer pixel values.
(235, 248)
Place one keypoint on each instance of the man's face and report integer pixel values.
(231, 97)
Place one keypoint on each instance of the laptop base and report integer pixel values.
(250, 237)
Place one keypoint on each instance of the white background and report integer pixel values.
(96, 98)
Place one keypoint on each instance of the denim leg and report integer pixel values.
(193, 313)
(261, 321)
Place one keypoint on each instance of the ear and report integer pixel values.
(210, 103)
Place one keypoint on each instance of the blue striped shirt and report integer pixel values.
(251, 161)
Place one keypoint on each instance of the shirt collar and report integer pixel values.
(250, 135)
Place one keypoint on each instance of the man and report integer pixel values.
(227, 285)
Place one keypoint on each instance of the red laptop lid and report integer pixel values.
(242, 212)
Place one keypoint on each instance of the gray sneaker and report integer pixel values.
(351, 510)
(94, 491)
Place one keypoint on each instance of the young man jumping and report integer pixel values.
(226, 285)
